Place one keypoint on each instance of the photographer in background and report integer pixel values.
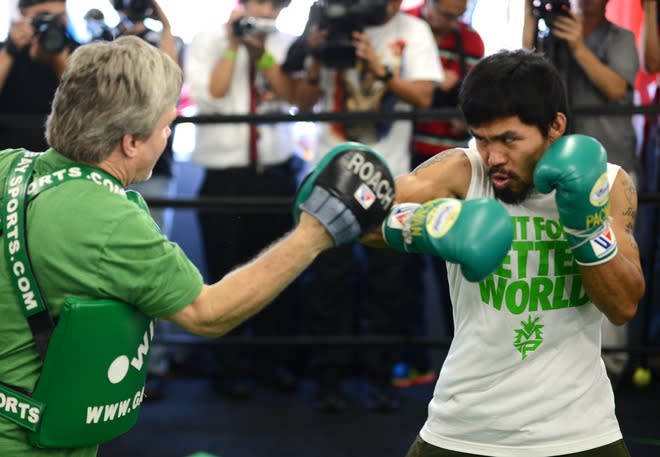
(373, 58)
(132, 16)
(32, 59)
(235, 69)
(460, 47)
(598, 63)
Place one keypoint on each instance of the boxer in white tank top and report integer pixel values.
(524, 374)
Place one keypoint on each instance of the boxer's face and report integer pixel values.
(510, 149)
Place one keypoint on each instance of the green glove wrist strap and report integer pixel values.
(594, 248)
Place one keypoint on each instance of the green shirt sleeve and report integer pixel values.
(140, 266)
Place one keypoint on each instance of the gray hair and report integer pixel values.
(108, 90)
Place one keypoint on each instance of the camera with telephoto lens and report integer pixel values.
(135, 10)
(549, 10)
(340, 18)
(51, 32)
(248, 25)
(97, 29)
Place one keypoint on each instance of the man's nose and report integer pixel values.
(496, 156)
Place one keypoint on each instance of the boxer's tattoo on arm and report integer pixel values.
(630, 212)
(440, 157)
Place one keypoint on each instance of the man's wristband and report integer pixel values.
(593, 249)
(266, 61)
(229, 54)
(387, 75)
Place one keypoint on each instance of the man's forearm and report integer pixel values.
(281, 83)
(168, 45)
(6, 62)
(609, 82)
(649, 41)
(417, 93)
(222, 73)
(614, 287)
(249, 288)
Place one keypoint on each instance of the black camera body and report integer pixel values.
(51, 33)
(341, 18)
(248, 26)
(135, 10)
(549, 10)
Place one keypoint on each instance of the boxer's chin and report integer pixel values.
(511, 194)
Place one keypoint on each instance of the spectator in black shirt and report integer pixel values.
(32, 58)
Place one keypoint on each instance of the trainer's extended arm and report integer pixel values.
(598, 222)
(346, 195)
(476, 234)
(249, 288)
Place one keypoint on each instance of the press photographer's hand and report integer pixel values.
(315, 37)
(569, 29)
(366, 52)
(21, 33)
(233, 17)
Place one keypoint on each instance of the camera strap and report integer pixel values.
(460, 49)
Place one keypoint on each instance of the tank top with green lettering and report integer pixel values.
(524, 374)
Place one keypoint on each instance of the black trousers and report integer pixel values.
(354, 289)
(233, 239)
(420, 448)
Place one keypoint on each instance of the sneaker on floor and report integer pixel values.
(331, 402)
(236, 389)
(284, 380)
(411, 377)
(383, 399)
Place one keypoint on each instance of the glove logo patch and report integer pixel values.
(600, 193)
(604, 243)
(442, 218)
(401, 216)
(371, 175)
(364, 196)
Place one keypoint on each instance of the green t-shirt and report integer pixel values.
(88, 242)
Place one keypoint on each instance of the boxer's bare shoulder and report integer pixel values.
(446, 174)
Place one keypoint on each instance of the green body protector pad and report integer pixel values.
(93, 376)
(95, 359)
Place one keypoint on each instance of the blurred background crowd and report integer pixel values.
(288, 57)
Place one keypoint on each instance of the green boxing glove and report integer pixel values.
(576, 167)
(476, 234)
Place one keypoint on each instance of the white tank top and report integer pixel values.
(524, 375)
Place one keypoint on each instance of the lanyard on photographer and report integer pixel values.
(18, 190)
(460, 50)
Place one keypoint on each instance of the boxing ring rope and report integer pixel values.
(278, 205)
(270, 205)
